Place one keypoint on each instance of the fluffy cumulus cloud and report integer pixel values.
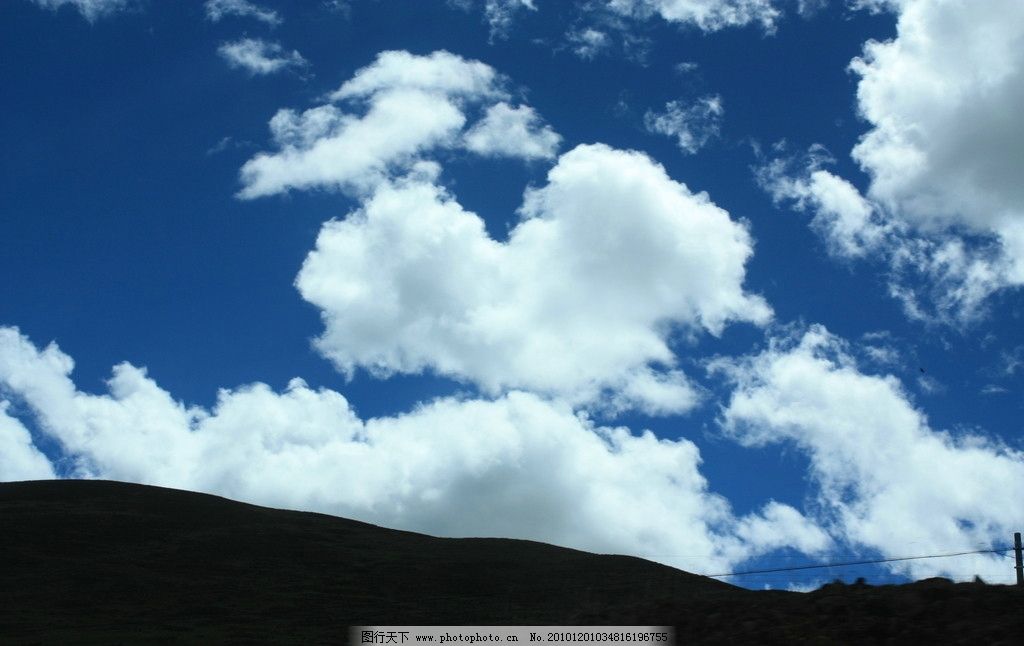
(851, 225)
(411, 282)
(441, 72)
(19, 458)
(517, 466)
(944, 201)
(505, 131)
(691, 125)
(91, 10)
(886, 480)
(216, 10)
(708, 15)
(943, 98)
(385, 118)
(260, 57)
(608, 260)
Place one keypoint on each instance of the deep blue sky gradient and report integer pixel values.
(121, 237)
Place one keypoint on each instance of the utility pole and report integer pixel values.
(1017, 552)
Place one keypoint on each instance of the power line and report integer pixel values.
(871, 562)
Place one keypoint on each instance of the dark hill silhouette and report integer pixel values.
(109, 562)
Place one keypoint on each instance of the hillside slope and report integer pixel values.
(108, 557)
(109, 562)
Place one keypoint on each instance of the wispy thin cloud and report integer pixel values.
(259, 57)
(692, 125)
(216, 10)
(91, 10)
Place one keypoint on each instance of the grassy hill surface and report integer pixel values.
(108, 562)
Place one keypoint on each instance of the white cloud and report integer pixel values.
(850, 224)
(588, 43)
(938, 276)
(440, 73)
(259, 56)
(882, 355)
(1012, 361)
(515, 467)
(692, 125)
(959, 276)
(412, 104)
(930, 385)
(341, 7)
(945, 204)
(501, 13)
(993, 389)
(876, 6)
(512, 132)
(943, 98)
(498, 14)
(325, 147)
(781, 526)
(808, 8)
(887, 480)
(708, 15)
(91, 10)
(218, 9)
(686, 67)
(608, 260)
(880, 348)
(19, 458)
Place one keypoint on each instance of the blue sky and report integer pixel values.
(496, 242)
